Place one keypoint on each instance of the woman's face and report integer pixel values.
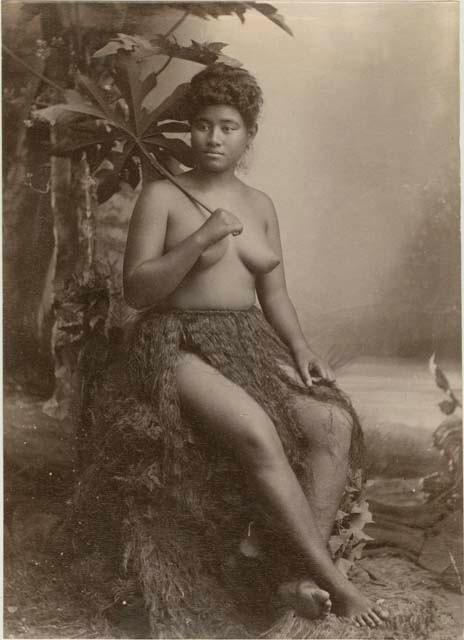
(219, 137)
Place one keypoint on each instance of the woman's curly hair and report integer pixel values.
(220, 84)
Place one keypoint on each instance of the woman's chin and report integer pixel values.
(214, 166)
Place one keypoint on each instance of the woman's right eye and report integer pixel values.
(202, 126)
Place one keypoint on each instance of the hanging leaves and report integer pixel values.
(348, 537)
(116, 117)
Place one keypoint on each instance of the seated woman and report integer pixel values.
(202, 346)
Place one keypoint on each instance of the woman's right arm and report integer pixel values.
(148, 275)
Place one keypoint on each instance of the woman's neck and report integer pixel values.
(206, 180)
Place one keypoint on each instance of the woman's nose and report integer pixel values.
(214, 136)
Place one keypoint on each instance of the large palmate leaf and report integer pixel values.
(121, 127)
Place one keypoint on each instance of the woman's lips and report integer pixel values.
(213, 154)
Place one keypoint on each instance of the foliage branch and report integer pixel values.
(108, 117)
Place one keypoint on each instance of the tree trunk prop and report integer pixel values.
(27, 250)
(74, 276)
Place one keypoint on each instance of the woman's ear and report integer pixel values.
(252, 131)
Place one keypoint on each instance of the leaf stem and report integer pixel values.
(167, 174)
(163, 67)
(176, 25)
(32, 70)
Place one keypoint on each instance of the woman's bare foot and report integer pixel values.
(306, 598)
(351, 604)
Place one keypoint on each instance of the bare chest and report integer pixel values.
(251, 248)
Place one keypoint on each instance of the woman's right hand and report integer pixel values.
(220, 224)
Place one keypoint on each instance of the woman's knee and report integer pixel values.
(325, 425)
(259, 445)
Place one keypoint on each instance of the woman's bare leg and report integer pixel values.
(230, 414)
(328, 430)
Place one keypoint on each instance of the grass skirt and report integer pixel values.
(174, 501)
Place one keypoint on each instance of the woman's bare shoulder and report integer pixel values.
(262, 203)
(157, 200)
(159, 188)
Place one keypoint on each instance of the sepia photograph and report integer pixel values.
(232, 376)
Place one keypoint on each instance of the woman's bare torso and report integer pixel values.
(224, 275)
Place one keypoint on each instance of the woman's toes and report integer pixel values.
(320, 595)
(326, 608)
(381, 613)
(376, 619)
(371, 621)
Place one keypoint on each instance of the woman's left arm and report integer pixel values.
(279, 310)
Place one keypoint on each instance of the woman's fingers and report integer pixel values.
(313, 370)
(330, 374)
(303, 369)
(323, 369)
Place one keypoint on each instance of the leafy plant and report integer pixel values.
(348, 537)
(109, 119)
(447, 438)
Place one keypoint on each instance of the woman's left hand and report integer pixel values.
(311, 367)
